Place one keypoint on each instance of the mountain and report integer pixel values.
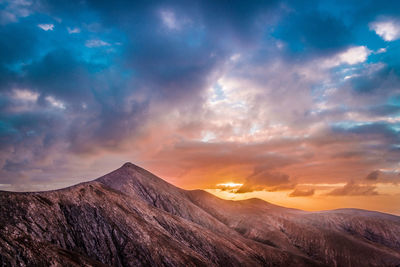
(130, 217)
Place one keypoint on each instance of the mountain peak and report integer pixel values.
(132, 179)
(131, 168)
(129, 165)
(121, 176)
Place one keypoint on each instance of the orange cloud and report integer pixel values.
(266, 180)
(302, 193)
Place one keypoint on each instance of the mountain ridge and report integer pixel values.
(130, 217)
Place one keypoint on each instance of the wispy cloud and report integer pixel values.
(302, 193)
(46, 27)
(96, 43)
(25, 95)
(73, 30)
(55, 103)
(169, 19)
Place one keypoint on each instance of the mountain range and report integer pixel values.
(131, 217)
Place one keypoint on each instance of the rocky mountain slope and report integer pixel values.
(130, 217)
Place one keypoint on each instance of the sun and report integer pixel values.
(230, 185)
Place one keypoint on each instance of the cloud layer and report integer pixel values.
(272, 95)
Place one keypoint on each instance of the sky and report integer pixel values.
(294, 102)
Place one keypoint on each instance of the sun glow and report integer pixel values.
(230, 185)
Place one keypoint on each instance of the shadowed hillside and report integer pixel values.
(130, 217)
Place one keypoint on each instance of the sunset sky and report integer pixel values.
(294, 102)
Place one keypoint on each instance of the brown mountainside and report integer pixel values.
(130, 217)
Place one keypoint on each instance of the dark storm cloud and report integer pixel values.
(222, 17)
(17, 44)
(61, 74)
(21, 129)
(176, 63)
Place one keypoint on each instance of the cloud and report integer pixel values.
(231, 187)
(18, 43)
(354, 55)
(313, 31)
(302, 192)
(175, 96)
(55, 103)
(388, 29)
(73, 30)
(13, 10)
(383, 131)
(46, 27)
(7, 17)
(381, 50)
(169, 19)
(376, 78)
(96, 43)
(61, 74)
(373, 175)
(351, 56)
(383, 110)
(353, 189)
(25, 95)
(266, 180)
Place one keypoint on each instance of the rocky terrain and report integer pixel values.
(130, 217)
